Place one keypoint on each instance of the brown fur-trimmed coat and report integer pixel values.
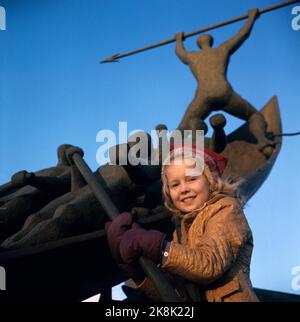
(212, 261)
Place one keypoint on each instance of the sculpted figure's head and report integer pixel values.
(205, 41)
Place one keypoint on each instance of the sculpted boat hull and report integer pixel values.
(252, 166)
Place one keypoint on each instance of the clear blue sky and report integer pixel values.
(54, 91)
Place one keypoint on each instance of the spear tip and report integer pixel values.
(112, 59)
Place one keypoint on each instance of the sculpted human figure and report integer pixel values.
(35, 190)
(214, 92)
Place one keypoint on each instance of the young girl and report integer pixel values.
(209, 258)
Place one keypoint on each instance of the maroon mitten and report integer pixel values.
(115, 231)
(137, 241)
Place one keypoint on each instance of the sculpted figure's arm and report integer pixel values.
(181, 53)
(43, 183)
(235, 42)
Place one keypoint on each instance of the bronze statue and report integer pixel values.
(214, 92)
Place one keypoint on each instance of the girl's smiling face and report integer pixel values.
(188, 192)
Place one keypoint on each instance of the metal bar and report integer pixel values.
(108, 206)
(164, 288)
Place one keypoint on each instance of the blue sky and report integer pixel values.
(53, 90)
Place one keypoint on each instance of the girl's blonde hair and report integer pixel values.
(217, 184)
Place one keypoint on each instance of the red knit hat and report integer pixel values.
(215, 162)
